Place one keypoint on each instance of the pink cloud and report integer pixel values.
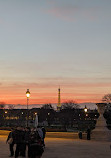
(70, 12)
(53, 83)
(46, 90)
(62, 12)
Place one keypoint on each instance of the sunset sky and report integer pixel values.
(45, 44)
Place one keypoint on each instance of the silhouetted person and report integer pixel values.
(80, 134)
(23, 144)
(88, 134)
(44, 133)
(35, 145)
(11, 144)
(19, 141)
(27, 135)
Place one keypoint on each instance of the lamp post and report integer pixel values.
(28, 95)
(85, 109)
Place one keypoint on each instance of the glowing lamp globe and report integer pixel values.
(28, 93)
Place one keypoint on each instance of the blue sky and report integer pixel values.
(55, 42)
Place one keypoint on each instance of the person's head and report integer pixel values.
(12, 129)
(27, 129)
(38, 126)
(19, 128)
(32, 129)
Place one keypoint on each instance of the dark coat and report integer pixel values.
(27, 137)
(18, 136)
(34, 137)
(11, 135)
(44, 132)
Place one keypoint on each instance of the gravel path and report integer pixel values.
(67, 148)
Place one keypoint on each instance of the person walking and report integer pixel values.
(88, 134)
(19, 141)
(27, 136)
(23, 144)
(44, 133)
(80, 134)
(35, 145)
(10, 141)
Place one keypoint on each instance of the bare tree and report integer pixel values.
(11, 106)
(107, 99)
(47, 106)
(2, 105)
(70, 105)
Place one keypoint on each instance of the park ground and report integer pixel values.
(66, 148)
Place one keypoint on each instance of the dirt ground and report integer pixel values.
(66, 148)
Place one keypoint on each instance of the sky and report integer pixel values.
(50, 43)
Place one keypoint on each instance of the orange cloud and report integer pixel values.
(46, 91)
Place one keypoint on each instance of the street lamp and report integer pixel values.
(85, 109)
(28, 95)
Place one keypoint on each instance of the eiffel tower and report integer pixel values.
(59, 100)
